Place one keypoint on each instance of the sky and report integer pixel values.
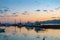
(29, 10)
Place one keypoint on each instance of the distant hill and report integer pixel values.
(51, 22)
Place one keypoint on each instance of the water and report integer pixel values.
(16, 33)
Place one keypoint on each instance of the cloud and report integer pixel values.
(14, 14)
(58, 8)
(45, 10)
(24, 13)
(55, 17)
(1, 16)
(51, 10)
(1, 11)
(11, 15)
(8, 16)
(4, 10)
(38, 10)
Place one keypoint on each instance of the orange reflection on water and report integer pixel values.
(24, 31)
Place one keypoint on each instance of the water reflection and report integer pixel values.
(24, 33)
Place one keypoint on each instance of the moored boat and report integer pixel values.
(2, 30)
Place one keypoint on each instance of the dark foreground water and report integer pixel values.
(15, 33)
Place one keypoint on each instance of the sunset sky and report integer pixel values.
(29, 10)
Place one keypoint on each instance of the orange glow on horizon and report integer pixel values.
(32, 16)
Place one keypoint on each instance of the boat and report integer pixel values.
(2, 30)
(43, 38)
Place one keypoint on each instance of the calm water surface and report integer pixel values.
(15, 33)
